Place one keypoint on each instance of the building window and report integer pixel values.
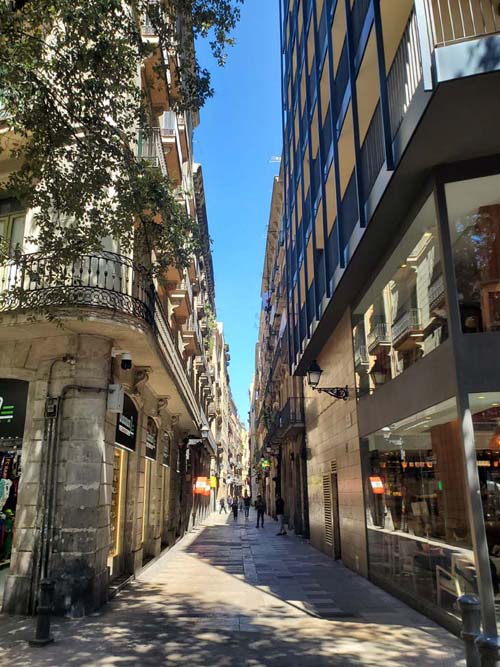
(403, 316)
(474, 218)
(418, 533)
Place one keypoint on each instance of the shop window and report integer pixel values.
(403, 316)
(418, 533)
(474, 219)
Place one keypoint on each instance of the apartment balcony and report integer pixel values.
(151, 149)
(378, 337)
(101, 294)
(292, 416)
(361, 358)
(407, 329)
(170, 141)
(436, 295)
(181, 297)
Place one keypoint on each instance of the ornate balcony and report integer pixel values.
(436, 294)
(407, 329)
(361, 358)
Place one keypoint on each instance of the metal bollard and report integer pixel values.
(489, 650)
(44, 610)
(471, 627)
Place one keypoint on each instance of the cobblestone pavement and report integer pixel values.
(231, 595)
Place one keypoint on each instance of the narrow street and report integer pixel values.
(229, 594)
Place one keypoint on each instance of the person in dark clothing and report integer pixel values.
(234, 507)
(246, 505)
(260, 506)
(280, 514)
(222, 504)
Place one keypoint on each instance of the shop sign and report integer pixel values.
(151, 439)
(377, 485)
(13, 399)
(213, 482)
(202, 486)
(126, 425)
(165, 457)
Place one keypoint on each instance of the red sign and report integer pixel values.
(202, 486)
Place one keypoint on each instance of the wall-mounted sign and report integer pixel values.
(202, 486)
(377, 485)
(126, 425)
(151, 439)
(13, 399)
(213, 482)
(165, 458)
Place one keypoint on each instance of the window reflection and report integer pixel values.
(474, 218)
(403, 316)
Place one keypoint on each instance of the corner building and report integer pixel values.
(392, 233)
(92, 487)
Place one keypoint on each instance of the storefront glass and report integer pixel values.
(474, 218)
(403, 316)
(418, 533)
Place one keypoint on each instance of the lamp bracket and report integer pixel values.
(341, 393)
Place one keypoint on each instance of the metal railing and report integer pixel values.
(452, 21)
(405, 74)
(372, 152)
(361, 357)
(436, 292)
(103, 280)
(378, 335)
(350, 212)
(292, 413)
(408, 322)
(152, 149)
(341, 79)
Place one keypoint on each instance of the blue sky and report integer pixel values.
(239, 133)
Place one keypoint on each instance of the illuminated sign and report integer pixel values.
(265, 463)
(202, 486)
(13, 399)
(377, 485)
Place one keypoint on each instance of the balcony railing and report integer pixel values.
(361, 357)
(341, 79)
(405, 74)
(151, 149)
(452, 21)
(436, 293)
(372, 152)
(292, 414)
(106, 280)
(379, 335)
(408, 324)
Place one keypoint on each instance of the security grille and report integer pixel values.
(333, 467)
(327, 502)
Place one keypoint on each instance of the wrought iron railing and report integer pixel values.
(436, 292)
(452, 21)
(405, 74)
(410, 321)
(361, 357)
(292, 413)
(102, 280)
(378, 335)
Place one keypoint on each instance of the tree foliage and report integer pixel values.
(70, 90)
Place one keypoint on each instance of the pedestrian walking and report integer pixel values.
(280, 513)
(222, 504)
(230, 501)
(234, 507)
(260, 506)
(246, 505)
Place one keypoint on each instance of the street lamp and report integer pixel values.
(313, 377)
(205, 432)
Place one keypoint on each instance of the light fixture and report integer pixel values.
(378, 375)
(205, 432)
(313, 377)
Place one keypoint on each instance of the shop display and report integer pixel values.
(10, 472)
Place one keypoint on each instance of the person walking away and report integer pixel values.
(246, 505)
(229, 501)
(260, 506)
(234, 507)
(222, 504)
(280, 513)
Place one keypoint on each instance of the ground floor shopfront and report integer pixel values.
(390, 470)
(88, 494)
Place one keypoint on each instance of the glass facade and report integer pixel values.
(418, 534)
(403, 316)
(474, 217)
